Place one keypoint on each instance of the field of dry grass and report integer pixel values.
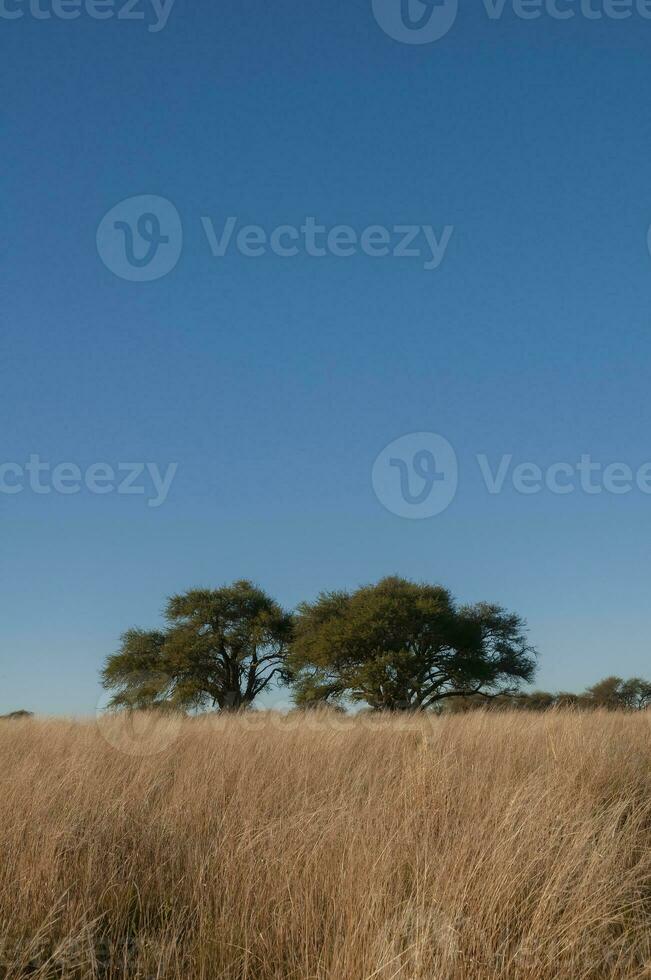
(479, 846)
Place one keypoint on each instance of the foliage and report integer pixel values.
(394, 645)
(405, 645)
(611, 693)
(221, 648)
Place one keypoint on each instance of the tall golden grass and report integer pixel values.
(479, 846)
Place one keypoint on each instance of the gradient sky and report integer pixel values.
(274, 383)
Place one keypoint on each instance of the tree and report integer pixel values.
(611, 693)
(403, 645)
(605, 694)
(636, 693)
(220, 648)
(614, 693)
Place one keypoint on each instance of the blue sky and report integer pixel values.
(274, 383)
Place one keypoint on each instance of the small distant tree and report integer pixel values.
(612, 693)
(615, 693)
(636, 693)
(605, 694)
(221, 648)
(401, 645)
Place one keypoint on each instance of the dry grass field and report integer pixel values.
(478, 846)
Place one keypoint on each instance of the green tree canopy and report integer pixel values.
(403, 645)
(221, 648)
(614, 692)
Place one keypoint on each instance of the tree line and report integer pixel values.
(614, 693)
(394, 645)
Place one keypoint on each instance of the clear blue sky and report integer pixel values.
(274, 383)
